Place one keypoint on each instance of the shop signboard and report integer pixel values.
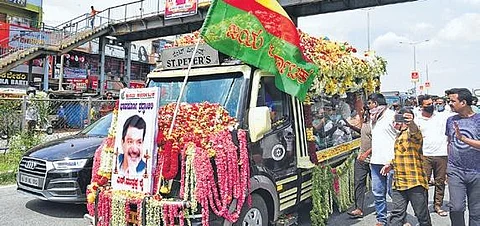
(135, 148)
(74, 73)
(11, 78)
(78, 84)
(4, 34)
(137, 84)
(173, 58)
(23, 37)
(180, 8)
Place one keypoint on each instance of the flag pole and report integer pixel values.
(177, 106)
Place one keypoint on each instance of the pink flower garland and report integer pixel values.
(233, 176)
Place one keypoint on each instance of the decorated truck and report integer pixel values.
(239, 150)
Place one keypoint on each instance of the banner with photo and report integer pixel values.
(180, 8)
(135, 148)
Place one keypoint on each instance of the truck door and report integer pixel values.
(276, 150)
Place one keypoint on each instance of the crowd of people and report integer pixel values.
(402, 146)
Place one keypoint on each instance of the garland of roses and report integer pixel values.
(194, 123)
(232, 172)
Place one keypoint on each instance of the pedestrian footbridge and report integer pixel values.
(140, 20)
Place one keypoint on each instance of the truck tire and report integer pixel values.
(255, 215)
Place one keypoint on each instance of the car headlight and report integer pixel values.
(70, 164)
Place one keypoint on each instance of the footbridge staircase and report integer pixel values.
(140, 20)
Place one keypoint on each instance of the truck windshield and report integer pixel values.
(224, 89)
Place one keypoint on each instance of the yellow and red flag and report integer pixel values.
(260, 33)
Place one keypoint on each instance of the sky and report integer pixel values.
(451, 26)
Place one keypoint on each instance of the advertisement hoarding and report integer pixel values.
(180, 8)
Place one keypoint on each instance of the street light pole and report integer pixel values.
(414, 44)
(368, 28)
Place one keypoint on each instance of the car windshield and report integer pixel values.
(224, 89)
(100, 127)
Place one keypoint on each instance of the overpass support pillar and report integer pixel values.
(45, 73)
(101, 50)
(128, 64)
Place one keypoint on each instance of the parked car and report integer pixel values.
(60, 170)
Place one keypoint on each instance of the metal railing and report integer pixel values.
(50, 115)
(53, 36)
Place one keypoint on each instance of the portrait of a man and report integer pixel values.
(133, 134)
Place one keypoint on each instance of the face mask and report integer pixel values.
(440, 108)
(429, 109)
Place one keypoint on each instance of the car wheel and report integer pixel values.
(49, 130)
(255, 215)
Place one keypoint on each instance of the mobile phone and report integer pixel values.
(399, 118)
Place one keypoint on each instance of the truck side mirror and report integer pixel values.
(259, 122)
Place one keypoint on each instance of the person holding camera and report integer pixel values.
(410, 183)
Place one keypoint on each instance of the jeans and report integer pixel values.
(361, 172)
(381, 185)
(464, 185)
(437, 164)
(418, 197)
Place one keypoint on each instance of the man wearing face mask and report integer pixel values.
(383, 139)
(441, 106)
(432, 125)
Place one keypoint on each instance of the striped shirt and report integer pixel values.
(407, 164)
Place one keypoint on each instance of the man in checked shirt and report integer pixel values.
(410, 183)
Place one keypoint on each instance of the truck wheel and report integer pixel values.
(255, 215)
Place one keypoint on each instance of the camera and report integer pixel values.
(399, 118)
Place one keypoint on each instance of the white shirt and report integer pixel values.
(383, 139)
(433, 132)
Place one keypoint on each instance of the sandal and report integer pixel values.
(441, 212)
(357, 213)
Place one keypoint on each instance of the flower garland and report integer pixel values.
(233, 176)
(202, 138)
(344, 183)
(331, 185)
(153, 211)
(194, 123)
(322, 201)
(104, 208)
(341, 70)
(102, 164)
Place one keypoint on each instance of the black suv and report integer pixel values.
(60, 170)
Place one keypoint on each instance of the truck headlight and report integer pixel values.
(70, 164)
